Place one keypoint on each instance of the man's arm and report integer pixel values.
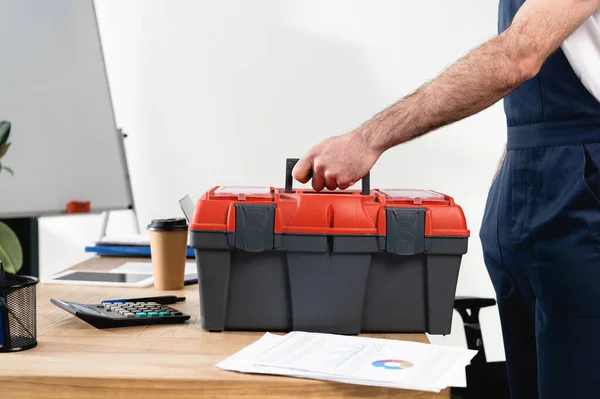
(484, 76)
(474, 83)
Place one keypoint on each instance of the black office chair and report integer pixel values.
(485, 380)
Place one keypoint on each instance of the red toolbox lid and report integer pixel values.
(340, 212)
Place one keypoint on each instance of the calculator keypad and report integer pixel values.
(132, 310)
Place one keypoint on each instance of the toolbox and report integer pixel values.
(341, 262)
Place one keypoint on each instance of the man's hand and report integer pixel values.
(338, 162)
(477, 81)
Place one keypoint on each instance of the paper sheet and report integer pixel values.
(242, 361)
(132, 239)
(353, 360)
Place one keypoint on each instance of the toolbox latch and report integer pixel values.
(254, 225)
(405, 231)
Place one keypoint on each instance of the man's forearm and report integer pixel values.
(476, 82)
(483, 77)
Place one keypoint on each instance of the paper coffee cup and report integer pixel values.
(168, 248)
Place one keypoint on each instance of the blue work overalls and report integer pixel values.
(541, 233)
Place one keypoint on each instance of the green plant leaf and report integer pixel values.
(4, 132)
(11, 252)
(3, 149)
(9, 170)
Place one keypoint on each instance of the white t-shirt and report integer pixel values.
(582, 49)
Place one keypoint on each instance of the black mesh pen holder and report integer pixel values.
(17, 312)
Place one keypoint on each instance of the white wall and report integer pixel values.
(221, 92)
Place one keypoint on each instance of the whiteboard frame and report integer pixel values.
(120, 136)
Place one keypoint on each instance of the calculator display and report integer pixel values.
(104, 277)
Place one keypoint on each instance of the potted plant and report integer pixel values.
(11, 252)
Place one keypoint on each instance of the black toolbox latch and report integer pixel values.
(254, 227)
(405, 231)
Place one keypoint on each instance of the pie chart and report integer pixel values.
(392, 364)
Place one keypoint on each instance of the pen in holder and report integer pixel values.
(17, 312)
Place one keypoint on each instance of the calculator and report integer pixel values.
(122, 313)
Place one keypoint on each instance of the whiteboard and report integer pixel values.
(54, 90)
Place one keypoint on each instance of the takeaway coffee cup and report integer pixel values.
(168, 246)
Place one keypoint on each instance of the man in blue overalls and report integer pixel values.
(541, 227)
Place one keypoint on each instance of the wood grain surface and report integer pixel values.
(75, 360)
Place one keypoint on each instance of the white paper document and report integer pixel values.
(353, 360)
(131, 239)
(242, 361)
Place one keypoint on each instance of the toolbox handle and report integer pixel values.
(289, 180)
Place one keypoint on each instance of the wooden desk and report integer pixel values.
(75, 360)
